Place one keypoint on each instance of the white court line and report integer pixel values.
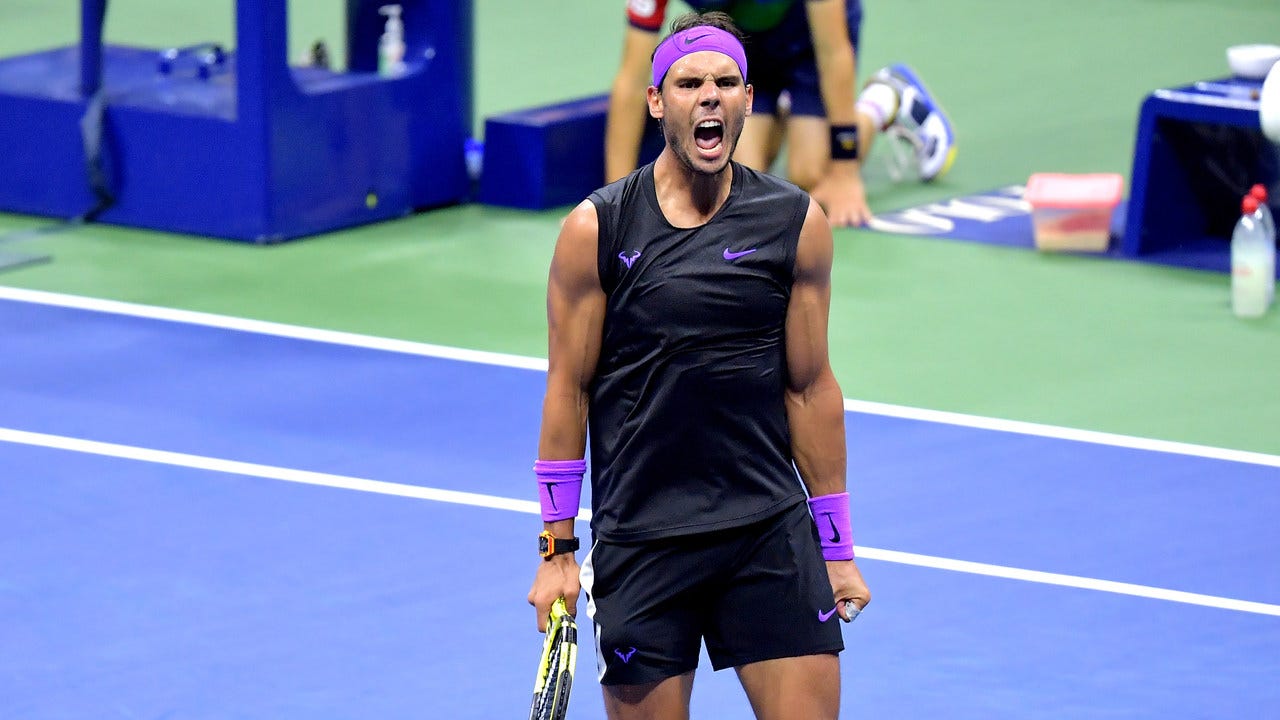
(1062, 433)
(261, 327)
(532, 508)
(529, 363)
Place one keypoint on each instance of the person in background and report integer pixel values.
(803, 55)
(687, 309)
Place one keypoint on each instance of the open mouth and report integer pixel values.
(709, 134)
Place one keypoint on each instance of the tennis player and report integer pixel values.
(687, 310)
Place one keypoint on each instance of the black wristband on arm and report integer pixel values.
(844, 142)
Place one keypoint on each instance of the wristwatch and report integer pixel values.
(550, 545)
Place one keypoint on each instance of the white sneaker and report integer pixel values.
(921, 121)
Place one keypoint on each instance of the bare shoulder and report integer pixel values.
(815, 250)
(815, 219)
(582, 218)
(575, 253)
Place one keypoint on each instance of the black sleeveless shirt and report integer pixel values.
(687, 422)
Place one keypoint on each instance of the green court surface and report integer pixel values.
(1081, 342)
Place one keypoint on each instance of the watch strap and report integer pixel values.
(550, 545)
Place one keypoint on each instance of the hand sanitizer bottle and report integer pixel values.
(391, 48)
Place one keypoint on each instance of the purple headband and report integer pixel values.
(692, 40)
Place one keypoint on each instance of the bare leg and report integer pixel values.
(796, 688)
(757, 148)
(664, 700)
(809, 147)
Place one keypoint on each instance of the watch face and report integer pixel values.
(544, 545)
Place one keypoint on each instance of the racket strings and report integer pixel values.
(548, 695)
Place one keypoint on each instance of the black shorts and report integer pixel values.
(753, 593)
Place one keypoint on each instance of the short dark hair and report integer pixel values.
(712, 18)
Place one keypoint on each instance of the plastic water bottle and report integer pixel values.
(1253, 259)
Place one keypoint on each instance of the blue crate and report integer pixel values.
(551, 155)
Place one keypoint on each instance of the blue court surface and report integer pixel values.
(202, 517)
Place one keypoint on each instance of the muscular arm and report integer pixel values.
(815, 404)
(624, 126)
(575, 316)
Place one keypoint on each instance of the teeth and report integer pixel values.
(709, 124)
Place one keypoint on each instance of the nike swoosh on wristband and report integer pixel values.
(835, 533)
(552, 495)
(825, 616)
(730, 255)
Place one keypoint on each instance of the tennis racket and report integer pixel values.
(555, 668)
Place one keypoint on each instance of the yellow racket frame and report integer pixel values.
(556, 666)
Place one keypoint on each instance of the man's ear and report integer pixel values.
(653, 96)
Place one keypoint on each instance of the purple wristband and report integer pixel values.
(559, 487)
(835, 529)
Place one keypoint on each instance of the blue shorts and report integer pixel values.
(782, 59)
(752, 593)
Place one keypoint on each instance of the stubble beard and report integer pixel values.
(688, 156)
